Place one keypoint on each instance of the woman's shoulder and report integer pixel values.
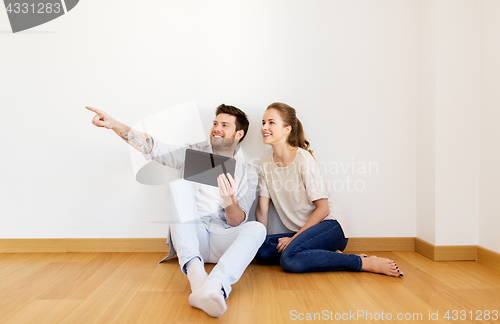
(305, 156)
(306, 163)
(266, 159)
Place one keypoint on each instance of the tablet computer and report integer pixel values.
(204, 167)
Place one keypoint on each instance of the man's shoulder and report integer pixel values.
(247, 167)
(201, 146)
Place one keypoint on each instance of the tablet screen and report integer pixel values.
(204, 167)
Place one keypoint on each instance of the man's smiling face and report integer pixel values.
(223, 132)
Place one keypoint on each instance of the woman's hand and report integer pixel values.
(283, 243)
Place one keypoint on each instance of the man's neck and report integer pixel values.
(229, 152)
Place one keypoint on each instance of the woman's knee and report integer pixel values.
(289, 261)
(288, 264)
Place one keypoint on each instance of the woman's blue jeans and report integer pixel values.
(311, 251)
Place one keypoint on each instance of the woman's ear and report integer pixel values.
(288, 130)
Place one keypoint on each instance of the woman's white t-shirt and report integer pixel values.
(294, 188)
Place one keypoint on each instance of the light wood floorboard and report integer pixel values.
(134, 288)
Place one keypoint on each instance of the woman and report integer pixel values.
(291, 178)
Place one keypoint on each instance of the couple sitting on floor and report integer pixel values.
(219, 231)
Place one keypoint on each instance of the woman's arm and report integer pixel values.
(262, 211)
(322, 210)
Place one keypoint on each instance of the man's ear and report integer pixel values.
(239, 135)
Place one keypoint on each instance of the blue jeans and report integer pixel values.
(311, 251)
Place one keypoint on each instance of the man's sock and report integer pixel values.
(209, 298)
(196, 273)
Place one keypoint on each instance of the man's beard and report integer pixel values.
(222, 144)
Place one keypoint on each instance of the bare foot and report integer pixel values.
(381, 265)
(361, 255)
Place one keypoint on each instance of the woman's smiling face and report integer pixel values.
(273, 130)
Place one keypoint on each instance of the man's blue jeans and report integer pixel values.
(311, 251)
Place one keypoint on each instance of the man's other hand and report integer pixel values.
(227, 189)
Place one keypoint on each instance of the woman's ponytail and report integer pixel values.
(300, 138)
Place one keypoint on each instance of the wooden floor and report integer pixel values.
(134, 288)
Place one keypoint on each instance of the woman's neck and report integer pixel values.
(283, 154)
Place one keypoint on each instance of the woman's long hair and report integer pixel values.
(296, 138)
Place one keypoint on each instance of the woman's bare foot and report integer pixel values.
(361, 255)
(381, 265)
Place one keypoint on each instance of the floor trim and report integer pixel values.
(488, 257)
(83, 245)
(363, 244)
(367, 244)
(446, 252)
(158, 245)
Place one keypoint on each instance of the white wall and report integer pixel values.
(489, 126)
(349, 67)
(457, 106)
(458, 152)
(426, 121)
(448, 93)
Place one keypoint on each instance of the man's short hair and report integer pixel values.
(241, 118)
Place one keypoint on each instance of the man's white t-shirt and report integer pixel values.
(208, 200)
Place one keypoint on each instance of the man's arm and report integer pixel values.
(234, 214)
(140, 141)
(227, 189)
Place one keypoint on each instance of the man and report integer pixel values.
(218, 231)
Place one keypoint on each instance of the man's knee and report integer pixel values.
(256, 230)
(260, 231)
